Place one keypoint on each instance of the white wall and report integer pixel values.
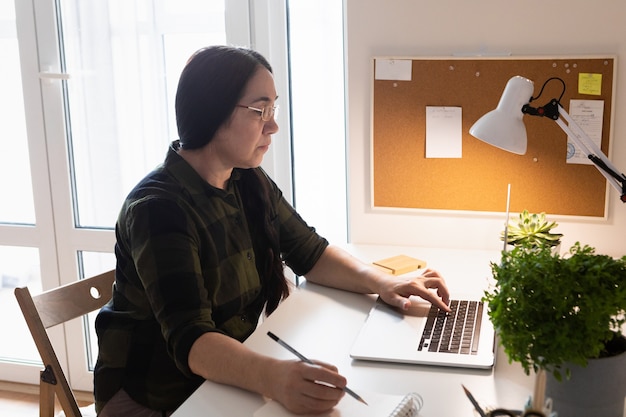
(445, 27)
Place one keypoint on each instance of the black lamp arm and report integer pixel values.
(621, 178)
(551, 110)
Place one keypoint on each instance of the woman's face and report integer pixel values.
(242, 140)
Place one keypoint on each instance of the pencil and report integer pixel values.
(305, 359)
(474, 402)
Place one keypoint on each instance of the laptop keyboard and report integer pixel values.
(454, 332)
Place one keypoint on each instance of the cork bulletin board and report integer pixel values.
(541, 180)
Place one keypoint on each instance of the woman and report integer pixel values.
(200, 246)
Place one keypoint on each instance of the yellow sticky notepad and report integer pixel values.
(590, 84)
(401, 264)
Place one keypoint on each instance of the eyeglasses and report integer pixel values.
(267, 113)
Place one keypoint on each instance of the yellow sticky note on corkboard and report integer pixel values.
(400, 264)
(590, 84)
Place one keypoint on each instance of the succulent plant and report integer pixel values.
(532, 229)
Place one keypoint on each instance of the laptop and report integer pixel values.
(425, 335)
(428, 336)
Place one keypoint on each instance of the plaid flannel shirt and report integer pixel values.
(185, 266)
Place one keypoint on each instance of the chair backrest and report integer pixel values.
(49, 309)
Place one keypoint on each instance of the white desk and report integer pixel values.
(322, 323)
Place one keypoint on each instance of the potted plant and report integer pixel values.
(533, 229)
(555, 314)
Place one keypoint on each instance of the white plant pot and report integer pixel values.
(597, 390)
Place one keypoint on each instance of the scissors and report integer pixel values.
(509, 413)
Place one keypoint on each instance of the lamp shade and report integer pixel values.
(504, 127)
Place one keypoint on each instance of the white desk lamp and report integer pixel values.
(504, 127)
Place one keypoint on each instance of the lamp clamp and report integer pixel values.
(550, 110)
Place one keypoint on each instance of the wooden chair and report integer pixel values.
(49, 309)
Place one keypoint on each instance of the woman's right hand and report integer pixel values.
(306, 388)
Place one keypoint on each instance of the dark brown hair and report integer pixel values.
(209, 89)
(255, 194)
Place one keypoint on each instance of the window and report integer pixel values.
(90, 100)
(87, 98)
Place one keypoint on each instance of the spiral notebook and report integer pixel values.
(380, 405)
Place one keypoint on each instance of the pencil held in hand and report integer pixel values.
(305, 359)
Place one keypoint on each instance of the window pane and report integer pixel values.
(19, 267)
(15, 179)
(124, 59)
(315, 29)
